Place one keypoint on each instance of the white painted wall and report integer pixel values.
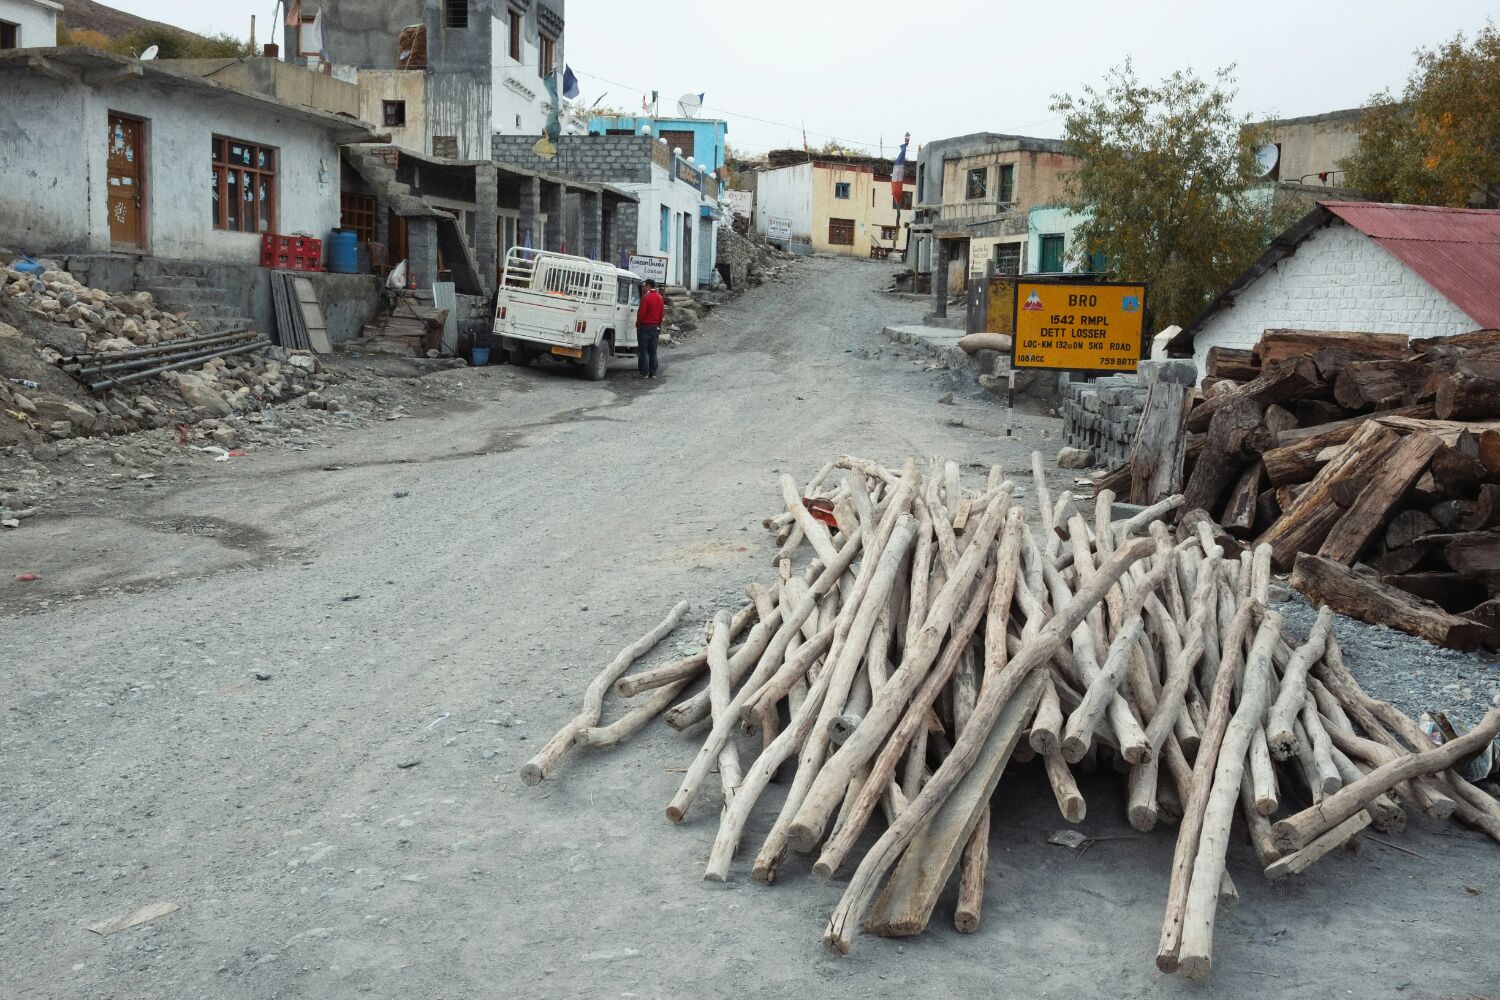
(786, 193)
(37, 22)
(681, 200)
(55, 165)
(1339, 279)
(519, 90)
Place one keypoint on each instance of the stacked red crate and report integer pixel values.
(291, 253)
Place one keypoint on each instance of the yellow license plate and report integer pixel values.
(568, 352)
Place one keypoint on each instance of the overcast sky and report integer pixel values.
(864, 71)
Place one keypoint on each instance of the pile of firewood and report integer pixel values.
(920, 636)
(1344, 448)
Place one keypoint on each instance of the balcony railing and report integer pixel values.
(979, 208)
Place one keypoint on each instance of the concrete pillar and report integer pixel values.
(940, 280)
(422, 249)
(593, 225)
(624, 229)
(552, 207)
(531, 210)
(486, 215)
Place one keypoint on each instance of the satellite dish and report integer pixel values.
(1266, 158)
(150, 53)
(688, 105)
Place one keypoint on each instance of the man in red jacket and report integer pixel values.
(648, 328)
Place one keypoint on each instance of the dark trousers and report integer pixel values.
(645, 351)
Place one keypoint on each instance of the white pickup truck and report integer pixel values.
(569, 307)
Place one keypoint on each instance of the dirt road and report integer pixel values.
(293, 698)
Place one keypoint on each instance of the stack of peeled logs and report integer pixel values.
(922, 634)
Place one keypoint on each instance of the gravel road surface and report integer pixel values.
(292, 698)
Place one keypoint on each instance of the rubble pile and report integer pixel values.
(920, 638)
(1370, 464)
(48, 317)
(748, 260)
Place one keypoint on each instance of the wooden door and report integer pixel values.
(127, 175)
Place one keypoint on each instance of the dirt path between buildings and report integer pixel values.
(292, 697)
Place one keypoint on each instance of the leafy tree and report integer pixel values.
(1167, 185)
(1440, 145)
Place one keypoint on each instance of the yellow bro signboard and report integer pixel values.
(1078, 326)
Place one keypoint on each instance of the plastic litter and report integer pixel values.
(26, 383)
(28, 577)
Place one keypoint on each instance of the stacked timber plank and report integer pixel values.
(1370, 465)
(921, 637)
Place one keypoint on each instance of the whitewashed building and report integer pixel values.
(104, 153)
(28, 24)
(1362, 267)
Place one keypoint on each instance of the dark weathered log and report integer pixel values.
(1487, 614)
(1406, 528)
(1293, 380)
(1346, 491)
(1452, 592)
(1330, 432)
(1366, 598)
(1117, 481)
(1458, 474)
(1233, 440)
(1464, 396)
(1489, 451)
(1486, 512)
(1398, 561)
(1373, 508)
(1476, 340)
(1312, 413)
(1157, 457)
(1449, 515)
(1278, 419)
(1229, 362)
(1276, 345)
(1240, 513)
(1476, 555)
(1267, 510)
(1304, 524)
(1379, 385)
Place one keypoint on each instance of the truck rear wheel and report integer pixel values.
(596, 362)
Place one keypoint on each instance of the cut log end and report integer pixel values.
(532, 773)
(966, 922)
(1195, 967)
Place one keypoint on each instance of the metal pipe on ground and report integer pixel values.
(137, 376)
(83, 360)
(158, 358)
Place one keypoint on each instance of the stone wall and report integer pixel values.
(1103, 415)
(609, 159)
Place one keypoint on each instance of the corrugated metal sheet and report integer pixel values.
(1455, 250)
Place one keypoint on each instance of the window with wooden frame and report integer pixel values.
(841, 232)
(515, 35)
(244, 186)
(394, 112)
(457, 13)
(358, 214)
(547, 63)
(978, 184)
(888, 233)
(1007, 192)
(10, 35)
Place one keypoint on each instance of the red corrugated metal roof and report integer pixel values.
(1455, 250)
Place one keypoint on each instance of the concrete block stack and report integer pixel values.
(1101, 417)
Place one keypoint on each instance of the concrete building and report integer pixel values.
(284, 81)
(103, 152)
(441, 75)
(676, 215)
(1310, 151)
(1356, 266)
(990, 198)
(28, 24)
(832, 205)
(699, 140)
